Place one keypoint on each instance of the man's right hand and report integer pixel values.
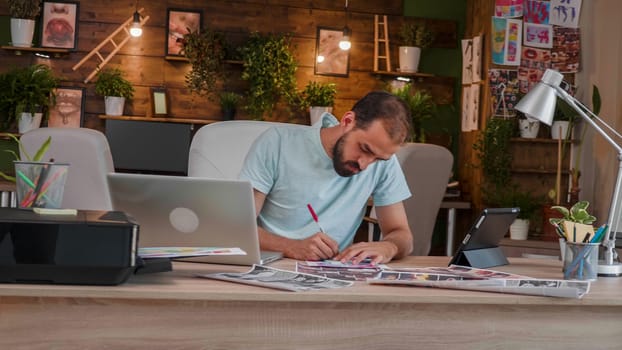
(317, 247)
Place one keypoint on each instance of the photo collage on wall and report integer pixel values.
(530, 36)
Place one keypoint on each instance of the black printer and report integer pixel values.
(90, 247)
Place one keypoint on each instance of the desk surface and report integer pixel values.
(148, 310)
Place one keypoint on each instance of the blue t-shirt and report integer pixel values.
(291, 166)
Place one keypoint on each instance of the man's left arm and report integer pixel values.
(397, 241)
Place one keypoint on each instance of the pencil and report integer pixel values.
(314, 216)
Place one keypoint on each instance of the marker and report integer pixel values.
(599, 233)
(314, 216)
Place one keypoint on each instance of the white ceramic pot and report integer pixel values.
(316, 112)
(559, 129)
(519, 230)
(22, 31)
(409, 59)
(114, 105)
(27, 122)
(528, 128)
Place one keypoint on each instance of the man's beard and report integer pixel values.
(345, 168)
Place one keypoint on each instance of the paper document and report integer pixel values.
(269, 277)
(467, 278)
(184, 252)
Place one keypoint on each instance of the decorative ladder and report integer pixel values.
(124, 27)
(381, 38)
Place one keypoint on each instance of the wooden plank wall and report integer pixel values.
(143, 58)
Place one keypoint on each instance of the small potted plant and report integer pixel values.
(422, 107)
(318, 98)
(228, 104)
(512, 196)
(575, 221)
(415, 37)
(26, 94)
(115, 88)
(23, 14)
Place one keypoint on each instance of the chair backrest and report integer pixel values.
(88, 154)
(427, 169)
(218, 150)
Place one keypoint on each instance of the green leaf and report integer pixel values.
(596, 102)
(41, 151)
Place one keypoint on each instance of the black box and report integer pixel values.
(92, 247)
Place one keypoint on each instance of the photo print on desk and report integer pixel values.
(179, 23)
(59, 24)
(68, 112)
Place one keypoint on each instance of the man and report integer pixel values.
(334, 166)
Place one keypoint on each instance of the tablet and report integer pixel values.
(480, 246)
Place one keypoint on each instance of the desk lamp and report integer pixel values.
(539, 104)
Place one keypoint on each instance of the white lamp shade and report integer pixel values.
(539, 103)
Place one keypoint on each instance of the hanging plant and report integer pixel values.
(270, 68)
(205, 50)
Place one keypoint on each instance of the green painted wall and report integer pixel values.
(443, 62)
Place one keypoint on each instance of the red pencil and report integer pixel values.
(314, 216)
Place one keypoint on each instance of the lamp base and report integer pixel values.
(613, 270)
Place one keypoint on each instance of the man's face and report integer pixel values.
(355, 150)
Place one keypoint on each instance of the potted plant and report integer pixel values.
(34, 158)
(512, 196)
(228, 104)
(205, 51)
(318, 98)
(270, 68)
(415, 37)
(23, 14)
(115, 88)
(422, 107)
(25, 96)
(575, 222)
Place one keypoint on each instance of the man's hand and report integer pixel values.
(379, 252)
(317, 247)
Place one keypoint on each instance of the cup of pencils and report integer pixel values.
(40, 184)
(581, 261)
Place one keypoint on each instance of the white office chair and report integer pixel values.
(218, 150)
(427, 169)
(88, 154)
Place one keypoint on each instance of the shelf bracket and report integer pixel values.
(124, 30)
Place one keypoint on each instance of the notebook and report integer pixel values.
(179, 211)
(479, 248)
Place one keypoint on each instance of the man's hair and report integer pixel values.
(386, 107)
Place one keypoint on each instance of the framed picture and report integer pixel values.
(59, 24)
(68, 112)
(159, 101)
(180, 22)
(329, 58)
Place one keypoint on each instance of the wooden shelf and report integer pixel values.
(158, 119)
(176, 58)
(441, 88)
(539, 171)
(540, 140)
(56, 53)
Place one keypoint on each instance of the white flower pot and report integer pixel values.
(519, 230)
(528, 128)
(114, 105)
(316, 112)
(409, 59)
(22, 31)
(559, 129)
(27, 122)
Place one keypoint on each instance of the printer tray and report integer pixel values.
(92, 247)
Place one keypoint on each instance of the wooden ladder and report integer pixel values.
(123, 28)
(381, 38)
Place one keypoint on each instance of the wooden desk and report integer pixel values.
(176, 310)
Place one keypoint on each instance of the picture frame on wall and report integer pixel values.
(179, 23)
(59, 24)
(159, 102)
(329, 58)
(68, 112)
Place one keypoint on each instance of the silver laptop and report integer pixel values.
(179, 211)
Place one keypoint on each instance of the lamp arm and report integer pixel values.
(613, 220)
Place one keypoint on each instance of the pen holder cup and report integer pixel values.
(581, 261)
(40, 184)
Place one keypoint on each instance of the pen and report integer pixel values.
(599, 233)
(314, 216)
